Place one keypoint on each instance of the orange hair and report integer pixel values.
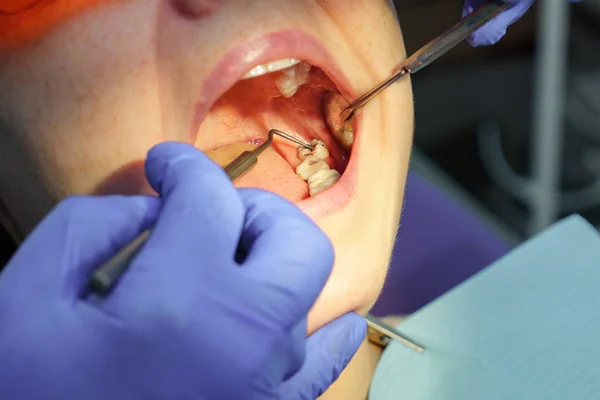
(24, 21)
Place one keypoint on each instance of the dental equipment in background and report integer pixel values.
(433, 50)
(106, 276)
(380, 333)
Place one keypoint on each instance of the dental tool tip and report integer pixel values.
(290, 138)
(347, 114)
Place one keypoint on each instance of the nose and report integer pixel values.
(196, 9)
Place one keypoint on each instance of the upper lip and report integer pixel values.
(259, 50)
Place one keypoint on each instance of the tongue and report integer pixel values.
(274, 174)
(271, 173)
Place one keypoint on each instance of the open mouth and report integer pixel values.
(301, 99)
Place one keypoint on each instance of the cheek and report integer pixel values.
(23, 22)
(106, 109)
(126, 180)
(372, 25)
(362, 251)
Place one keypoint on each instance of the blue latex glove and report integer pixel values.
(186, 321)
(494, 30)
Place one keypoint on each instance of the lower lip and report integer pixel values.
(279, 45)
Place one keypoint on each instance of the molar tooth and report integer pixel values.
(272, 66)
(287, 86)
(303, 152)
(342, 131)
(319, 150)
(292, 78)
(346, 137)
(310, 166)
(321, 180)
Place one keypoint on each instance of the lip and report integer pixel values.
(274, 46)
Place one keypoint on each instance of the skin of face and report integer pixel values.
(81, 105)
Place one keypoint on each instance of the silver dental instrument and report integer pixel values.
(249, 158)
(433, 50)
(107, 275)
(380, 333)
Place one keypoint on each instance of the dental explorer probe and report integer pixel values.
(433, 50)
(249, 158)
(107, 275)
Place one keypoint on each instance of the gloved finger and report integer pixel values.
(328, 352)
(285, 249)
(296, 349)
(201, 217)
(76, 237)
(494, 30)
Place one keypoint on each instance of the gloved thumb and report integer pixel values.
(328, 352)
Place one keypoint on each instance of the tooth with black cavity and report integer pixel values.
(310, 166)
(319, 150)
(303, 152)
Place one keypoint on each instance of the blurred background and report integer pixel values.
(512, 131)
(507, 141)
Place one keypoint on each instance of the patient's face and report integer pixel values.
(81, 105)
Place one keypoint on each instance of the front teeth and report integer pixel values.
(294, 73)
(292, 78)
(269, 67)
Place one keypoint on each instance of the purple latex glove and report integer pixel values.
(494, 30)
(186, 321)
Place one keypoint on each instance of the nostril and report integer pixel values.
(196, 9)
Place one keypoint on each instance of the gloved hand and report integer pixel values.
(194, 317)
(493, 31)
